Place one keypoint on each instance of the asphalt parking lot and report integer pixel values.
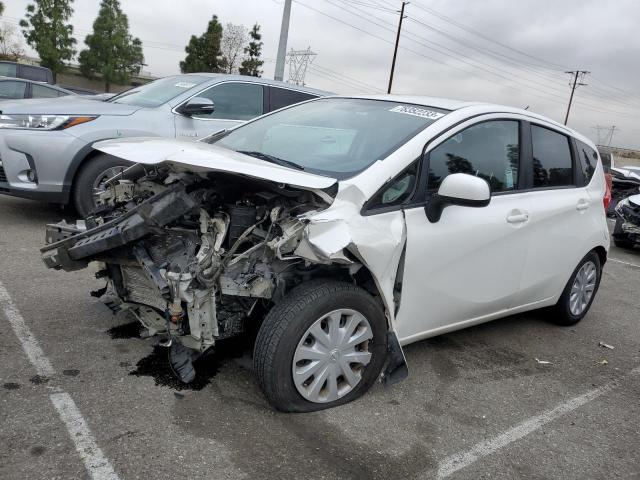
(477, 403)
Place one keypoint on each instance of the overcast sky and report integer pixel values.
(436, 57)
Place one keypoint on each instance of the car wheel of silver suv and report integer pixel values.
(92, 176)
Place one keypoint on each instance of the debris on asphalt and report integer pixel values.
(604, 361)
(543, 362)
(606, 345)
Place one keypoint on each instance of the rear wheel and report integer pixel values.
(323, 345)
(578, 295)
(92, 176)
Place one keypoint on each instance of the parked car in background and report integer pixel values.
(18, 88)
(28, 72)
(626, 233)
(356, 225)
(46, 146)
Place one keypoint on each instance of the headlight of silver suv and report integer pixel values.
(42, 122)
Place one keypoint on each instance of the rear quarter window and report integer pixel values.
(588, 161)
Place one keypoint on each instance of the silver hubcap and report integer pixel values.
(329, 360)
(583, 288)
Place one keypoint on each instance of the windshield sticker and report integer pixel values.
(184, 85)
(417, 111)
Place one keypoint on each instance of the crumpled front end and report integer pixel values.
(201, 256)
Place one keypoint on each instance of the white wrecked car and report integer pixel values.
(345, 228)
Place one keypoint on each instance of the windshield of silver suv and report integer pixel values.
(336, 137)
(158, 92)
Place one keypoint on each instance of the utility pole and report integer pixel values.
(282, 45)
(576, 83)
(395, 50)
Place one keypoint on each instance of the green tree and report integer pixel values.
(113, 54)
(203, 52)
(252, 63)
(47, 31)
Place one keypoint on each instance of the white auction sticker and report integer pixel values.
(184, 85)
(417, 111)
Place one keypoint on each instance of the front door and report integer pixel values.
(234, 102)
(467, 266)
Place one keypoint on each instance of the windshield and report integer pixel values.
(336, 137)
(158, 92)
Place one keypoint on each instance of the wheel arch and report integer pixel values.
(83, 155)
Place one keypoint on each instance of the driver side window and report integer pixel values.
(489, 150)
(234, 101)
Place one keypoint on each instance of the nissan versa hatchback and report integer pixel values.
(341, 229)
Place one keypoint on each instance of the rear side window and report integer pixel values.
(551, 158)
(588, 161)
(12, 89)
(281, 97)
(33, 73)
(8, 69)
(489, 150)
(39, 91)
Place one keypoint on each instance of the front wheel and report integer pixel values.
(323, 345)
(91, 177)
(578, 294)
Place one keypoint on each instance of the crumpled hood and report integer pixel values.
(197, 156)
(69, 105)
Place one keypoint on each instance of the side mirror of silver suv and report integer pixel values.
(197, 106)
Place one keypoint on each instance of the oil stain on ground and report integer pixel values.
(127, 330)
(156, 365)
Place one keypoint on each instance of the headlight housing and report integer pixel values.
(42, 122)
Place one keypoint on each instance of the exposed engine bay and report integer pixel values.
(193, 254)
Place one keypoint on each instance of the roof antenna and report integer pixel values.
(527, 107)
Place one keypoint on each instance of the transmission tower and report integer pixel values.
(298, 61)
(605, 134)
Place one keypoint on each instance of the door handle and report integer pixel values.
(582, 205)
(517, 217)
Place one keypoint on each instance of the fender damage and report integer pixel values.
(198, 239)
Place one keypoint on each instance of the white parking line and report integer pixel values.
(29, 343)
(461, 460)
(624, 263)
(94, 460)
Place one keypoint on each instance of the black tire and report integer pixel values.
(562, 311)
(284, 326)
(83, 185)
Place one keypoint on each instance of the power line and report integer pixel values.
(471, 62)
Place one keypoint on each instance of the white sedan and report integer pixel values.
(343, 228)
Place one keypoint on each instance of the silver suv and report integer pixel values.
(46, 146)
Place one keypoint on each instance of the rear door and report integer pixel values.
(561, 209)
(467, 266)
(235, 103)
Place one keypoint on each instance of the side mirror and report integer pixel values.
(458, 189)
(198, 106)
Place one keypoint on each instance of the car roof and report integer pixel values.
(264, 81)
(475, 107)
